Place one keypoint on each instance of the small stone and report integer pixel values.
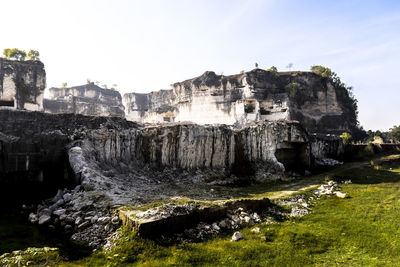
(33, 218)
(115, 220)
(59, 212)
(62, 217)
(104, 220)
(78, 221)
(255, 216)
(68, 227)
(89, 218)
(107, 228)
(341, 195)
(77, 189)
(94, 219)
(67, 197)
(60, 202)
(215, 227)
(237, 236)
(223, 224)
(90, 213)
(331, 183)
(83, 225)
(256, 230)
(44, 219)
(247, 219)
(69, 220)
(235, 218)
(58, 196)
(45, 211)
(52, 227)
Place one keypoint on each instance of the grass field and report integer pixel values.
(363, 230)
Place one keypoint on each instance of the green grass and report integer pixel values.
(363, 230)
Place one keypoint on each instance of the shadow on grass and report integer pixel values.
(367, 175)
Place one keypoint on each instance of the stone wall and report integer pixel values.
(22, 84)
(247, 97)
(87, 99)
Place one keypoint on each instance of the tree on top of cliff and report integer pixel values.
(14, 53)
(321, 70)
(33, 55)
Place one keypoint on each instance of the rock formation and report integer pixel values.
(317, 102)
(88, 99)
(22, 84)
(33, 147)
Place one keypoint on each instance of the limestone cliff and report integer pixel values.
(162, 160)
(317, 102)
(191, 146)
(22, 84)
(87, 99)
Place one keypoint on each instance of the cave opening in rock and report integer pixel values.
(27, 179)
(294, 156)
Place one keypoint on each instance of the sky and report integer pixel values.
(144, 46)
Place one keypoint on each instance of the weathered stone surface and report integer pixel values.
(88, 99)
(192, 146)
(22, 84)
(242, 98)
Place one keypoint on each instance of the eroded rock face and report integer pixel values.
(22, 84)
(248, 97)
(191, 146)
(88, 99)
(162, 161)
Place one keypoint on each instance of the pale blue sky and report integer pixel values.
(146, 45)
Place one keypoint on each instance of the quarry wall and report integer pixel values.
(88, 99)
(22, 84)
(315, 101)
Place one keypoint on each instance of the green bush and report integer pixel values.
(346, 138)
